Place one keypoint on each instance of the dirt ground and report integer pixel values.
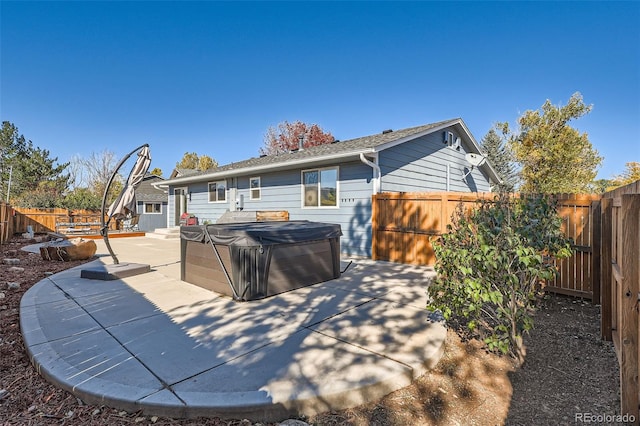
(568, 371)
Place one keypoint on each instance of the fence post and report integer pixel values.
(606, 208)
(596, 247)
(375, 211)
(630, 293)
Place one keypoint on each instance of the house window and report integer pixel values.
(152, 208)
(320, 187)
(254, 186)
(218, 191)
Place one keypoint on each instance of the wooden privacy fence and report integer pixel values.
(605, 267)
(6, 222)
(403, 225)
(56, 220)
(620, 286)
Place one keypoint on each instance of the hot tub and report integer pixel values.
(249, 261)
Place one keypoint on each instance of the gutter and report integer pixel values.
(376, 172)
(285, 164)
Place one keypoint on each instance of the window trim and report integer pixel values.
(147, 203)
(259, 189)
(226, 188)
(319, 170)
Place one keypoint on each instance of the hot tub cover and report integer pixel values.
(260, 233)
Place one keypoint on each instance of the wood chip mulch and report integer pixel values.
(568, 370)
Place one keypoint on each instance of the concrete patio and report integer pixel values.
(157, 344)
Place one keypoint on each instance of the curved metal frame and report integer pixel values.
(104, 229)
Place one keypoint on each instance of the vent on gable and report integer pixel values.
(452, 140)
(447, 138)
(384, 132)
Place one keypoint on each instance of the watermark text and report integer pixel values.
(604, 418)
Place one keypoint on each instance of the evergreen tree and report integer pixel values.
(501, 158)
(34, 174)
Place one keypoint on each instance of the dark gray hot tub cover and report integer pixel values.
(261, 233)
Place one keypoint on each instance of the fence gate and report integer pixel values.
(578, 275)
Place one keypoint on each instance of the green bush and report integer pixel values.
(491, 264)
(82, 198)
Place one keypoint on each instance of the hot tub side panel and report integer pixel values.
(301, 264)
(258, 272)
(200, 266)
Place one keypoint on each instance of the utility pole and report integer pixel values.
(9, 184)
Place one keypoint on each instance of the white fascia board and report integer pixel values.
(269, 167)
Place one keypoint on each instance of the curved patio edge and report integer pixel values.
(155, 344)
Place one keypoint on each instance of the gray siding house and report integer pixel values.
(152, 203)
(335, 182)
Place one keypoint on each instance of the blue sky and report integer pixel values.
(211, 77)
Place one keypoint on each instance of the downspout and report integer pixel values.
(376, 172)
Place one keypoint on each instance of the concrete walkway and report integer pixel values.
(169, 348)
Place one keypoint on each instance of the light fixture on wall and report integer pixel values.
(189, 195)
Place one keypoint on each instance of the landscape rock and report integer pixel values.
(16, 269)
(13, 286)
(12, 252)
(11, 261)
(75, 249)
(293, 422)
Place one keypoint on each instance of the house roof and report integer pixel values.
(338, 150)
(146, 191)
(180, 172)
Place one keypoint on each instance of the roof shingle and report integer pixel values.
(356, 144)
